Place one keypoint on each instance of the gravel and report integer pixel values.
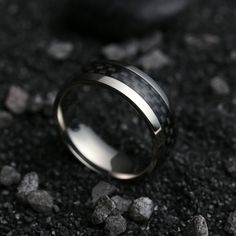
(230, 226)
(60, 50)
(192, 181)
(40, 201)
(29, 183)
(5, 119)
(141, 209)
(103, 209)
(220, 86)
(115, 225)
(230, 166)
(9, 176)
(102, 189)
(154, 60)
(16, 100)
(122, 204)
(197, 227)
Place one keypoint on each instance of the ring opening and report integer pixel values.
(105, 131)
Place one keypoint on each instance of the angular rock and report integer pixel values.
(122, 204)
(9, 176)
(230, 226)
(40, 201)
(197, 227)
(102, 189)
(141, 209)
(5, 119)
(220, 86)
(154, 60)
(16, 100)
(29, 183)
(230, 166)
(60, 50)
(115, 225)
(104, 208)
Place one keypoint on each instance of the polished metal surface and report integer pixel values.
(143, 95)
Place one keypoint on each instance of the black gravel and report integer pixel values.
(194, 181)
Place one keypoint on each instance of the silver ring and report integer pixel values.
(101, 83)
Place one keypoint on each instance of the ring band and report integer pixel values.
(143, 94)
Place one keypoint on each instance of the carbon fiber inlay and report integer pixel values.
(143, 88)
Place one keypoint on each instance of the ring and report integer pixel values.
(115, 119)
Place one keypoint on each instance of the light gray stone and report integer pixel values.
(197, 227)
(29, 183)
(16, 100)
(220, 86)
(40, 201)
(115, 225)
(9, 176)
(60, 50)
(141, 209)
(154, 60)
(230, 226)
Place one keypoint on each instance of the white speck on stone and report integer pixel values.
(16, 100)
(40, 201)
(60, 50)
(220, 86)
(154, 60)
(5, 119)
(29, 183)
(9, 176)
(141, 209)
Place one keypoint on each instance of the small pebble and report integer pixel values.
(220, 86)
(197, 227)
(122, 204)
(115, 225)
(36, 103)
(40, 201)
(60, 50)
(141, 209)
(154, 60)
(9, 176)
(230, 226)
(120, 52)
(104, 208)
(5, 119)
(230, 166)
(29, 183)
(102, 189)
(16, 100)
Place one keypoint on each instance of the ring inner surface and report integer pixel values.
(106, 132)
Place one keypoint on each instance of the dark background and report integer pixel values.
(193, 181)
